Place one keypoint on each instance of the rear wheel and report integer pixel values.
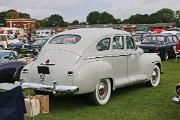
(102, 92)
(155, 78)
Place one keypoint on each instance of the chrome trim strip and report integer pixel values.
(96, 57)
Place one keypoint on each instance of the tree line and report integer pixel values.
(164, 15)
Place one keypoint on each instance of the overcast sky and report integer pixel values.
(78, 9)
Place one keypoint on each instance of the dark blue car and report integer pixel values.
(10, 68)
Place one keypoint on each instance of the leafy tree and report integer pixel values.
(43, 23)
(138, 19)
(94, 17)
(75, 22)
(2, 18)
(107, 18)
(83, 23)
(56, 20)
(24, 15)
(118, 21)
(177, 18)
(165, 15)
(11, 14)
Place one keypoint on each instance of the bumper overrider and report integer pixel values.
(49, 88)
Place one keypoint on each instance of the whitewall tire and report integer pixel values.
(155, 77)
(102, 92)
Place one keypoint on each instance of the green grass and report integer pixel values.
(136, 102)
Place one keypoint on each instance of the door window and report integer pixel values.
(170, 40)
(130, 43)
(118, 42)
(175, 39)
(103, 44)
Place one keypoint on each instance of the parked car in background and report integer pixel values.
(10, 68)
(3, 41)
(162, 44)
(38, 44)
(91, 60)
(13, 40)
(44, 33)
(16, 46)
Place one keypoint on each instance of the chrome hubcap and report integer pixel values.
(102, 90)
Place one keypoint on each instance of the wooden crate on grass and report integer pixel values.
(44, 103)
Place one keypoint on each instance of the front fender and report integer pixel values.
(90, 73)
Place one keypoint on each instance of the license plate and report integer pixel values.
(43, 69)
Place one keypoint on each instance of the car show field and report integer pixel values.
(136, 102)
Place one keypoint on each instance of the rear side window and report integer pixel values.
(65, 39)
(103, 44)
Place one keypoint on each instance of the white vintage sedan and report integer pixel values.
(91, 60)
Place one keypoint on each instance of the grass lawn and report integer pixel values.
(136, 102)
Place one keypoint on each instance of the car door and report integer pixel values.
(170, 45)
(119, 60)
(133, 60)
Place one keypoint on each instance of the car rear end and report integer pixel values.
(53, 70)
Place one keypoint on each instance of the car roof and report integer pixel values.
(88, 37)
(161, 34)
(98, 32)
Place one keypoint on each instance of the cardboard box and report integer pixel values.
(44, 103)
(32, 107)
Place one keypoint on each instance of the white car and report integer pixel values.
(91, 60)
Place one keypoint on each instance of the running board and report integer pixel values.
(131, 83)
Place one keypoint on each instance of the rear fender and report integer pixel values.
(89, 74)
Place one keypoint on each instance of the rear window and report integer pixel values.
(65, 39)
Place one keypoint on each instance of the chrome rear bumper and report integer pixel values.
(50, 88)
